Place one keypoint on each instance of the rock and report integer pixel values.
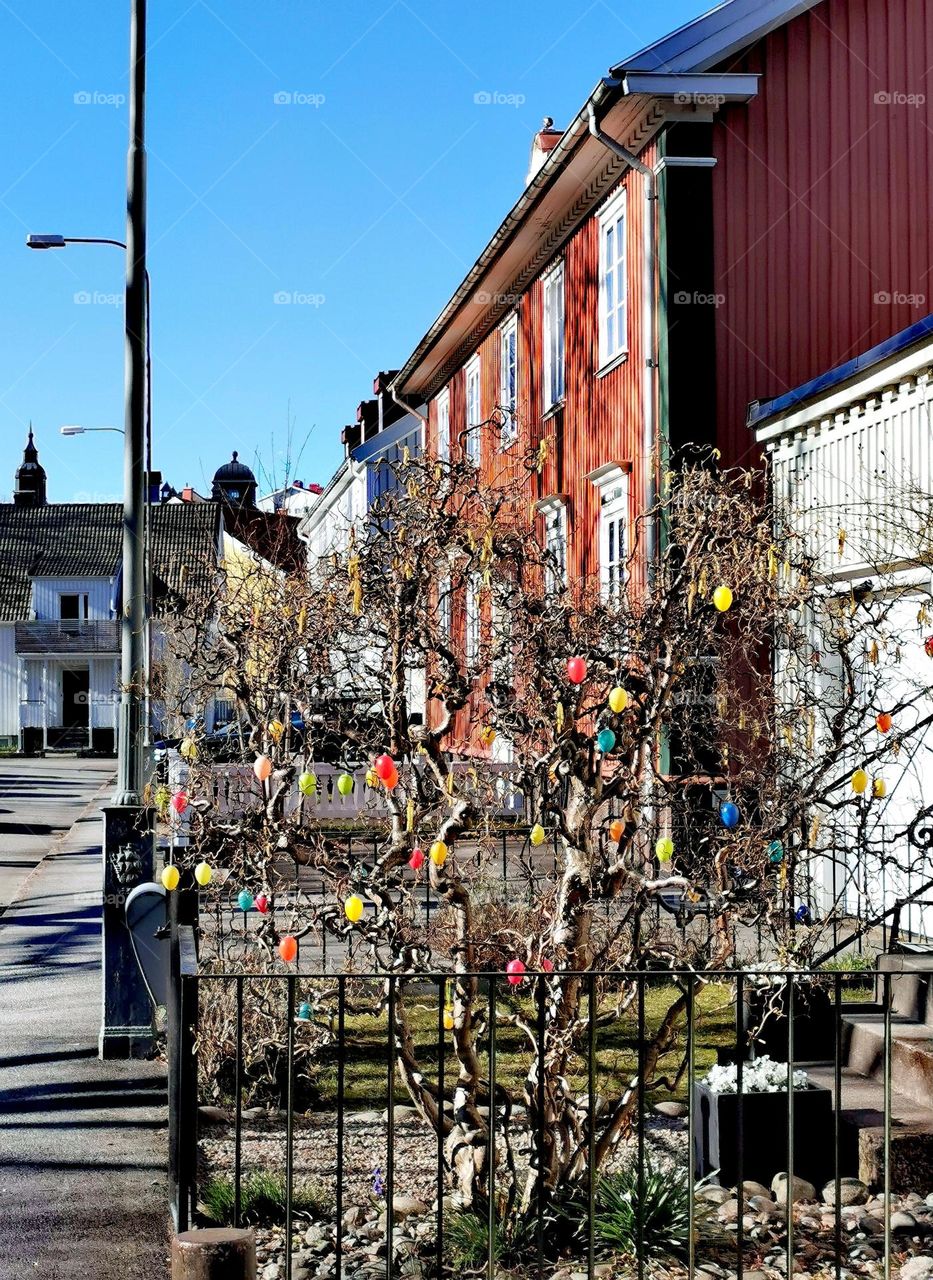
(673, 1110)
(354, 1217)
(801, 1189)
(714, 1195)
(728, 1211)
(766, 1206)
(254, 1113)
(754, 1189)
(400, 1112)
(407, 1207)
(851, 1191)
(920, 1268)
(903, 1221)
(213, 1115)
(272, 1271)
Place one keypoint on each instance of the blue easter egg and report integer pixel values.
(729, 814)
(304, 1012)
(605, 740)
(245, 900)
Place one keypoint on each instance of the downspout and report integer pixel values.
(650, 321)
(408, 409)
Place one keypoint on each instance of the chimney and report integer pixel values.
(543, 143)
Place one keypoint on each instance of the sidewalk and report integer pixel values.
(82, 1143)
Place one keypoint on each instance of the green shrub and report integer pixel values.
(262, 1200)
(659, 1221)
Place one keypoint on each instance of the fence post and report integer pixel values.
(181, 1024)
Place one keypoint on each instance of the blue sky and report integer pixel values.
(364, 198)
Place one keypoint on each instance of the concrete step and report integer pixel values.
(911, 1053)
(911, 984)
(861, 1147)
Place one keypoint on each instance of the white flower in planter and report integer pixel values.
(764, 1075)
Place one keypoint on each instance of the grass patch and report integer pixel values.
(262, 1200)
(366, 1061)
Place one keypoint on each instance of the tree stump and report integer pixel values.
(215, 1253)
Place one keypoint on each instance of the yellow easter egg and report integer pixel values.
(448, 1020)
(439, 853)
(203, 873)
(353, 908)
(722, 598)
(879, 788)
(537, 835)
(618, 700)
(170, 878)
(664, 848)
(860, 782)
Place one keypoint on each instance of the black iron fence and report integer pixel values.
(301, 1078)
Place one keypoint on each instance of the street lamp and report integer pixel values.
(82, 431)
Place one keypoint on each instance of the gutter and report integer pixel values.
(650, 324)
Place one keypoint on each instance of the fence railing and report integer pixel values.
(337, 1063)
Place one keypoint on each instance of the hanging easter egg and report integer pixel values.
(262, 904)
(170, 878)
(885, 722)
(537, 834)
(928, 646)
(353, 908)
(802, 914)
(664, 848)
(775, 852)
(416, 861)
(729, 814)
(188, 749)
(262, 767)
(203, 873)
(448, 1020)
(390, 781)
(276, 729)
(179, 802)
(722, 598)
(307, 783)
(245, 900)
(605, 740)
(372, 778)
(439, 853)
(385, 766)
(304, 1011)
(879, 789)
(860, 782)
(516, 971)
(487, 735)
(345, 784)
(616, 830)
(618, 700)
(576, 670)
(547, 966)
(288, 948)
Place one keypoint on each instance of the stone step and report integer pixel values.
(911, 1053)
(862, 1131)
(911, 984)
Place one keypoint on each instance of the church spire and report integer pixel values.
(30, 490)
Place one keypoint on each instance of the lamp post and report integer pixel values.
(83, 431)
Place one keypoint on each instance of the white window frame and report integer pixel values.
(443, 425)
(444, 610)
(612, 483)
(503, 662)
(508, 373)
(553, 328)
(472, 620)
(613, 281)
(474, 412)
(554, 513)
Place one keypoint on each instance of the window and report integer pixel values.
(443, 609)
(613, 331)
(554, 337)
(72, 606)
(612, 483)
(554, 511)
(502, 656)
(443, 425)
(471, 645)
(474, 414)
(508, 379)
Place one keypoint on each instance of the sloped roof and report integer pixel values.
(84, 539)
(271, 534)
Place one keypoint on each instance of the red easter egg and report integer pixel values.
(547, 965)
(384, 766)
(516, 971)
(928, 646)
(416, 861)
(885, 722)
(262, 903)
(576, 670)
(391, 779)
(288, 948)
(179, 802)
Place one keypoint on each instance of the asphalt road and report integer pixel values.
(39, 800)
(82, 1142)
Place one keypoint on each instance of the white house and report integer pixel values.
(851, 457)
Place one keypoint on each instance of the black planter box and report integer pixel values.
(814, 1022)
(716, 1129)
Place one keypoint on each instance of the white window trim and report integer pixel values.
(472, 621)
(554, 512)
(612, 484)
(553, 285)
(610, 213)
(443, 416)
(472, 440)
(444, 608)
(509, 431)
